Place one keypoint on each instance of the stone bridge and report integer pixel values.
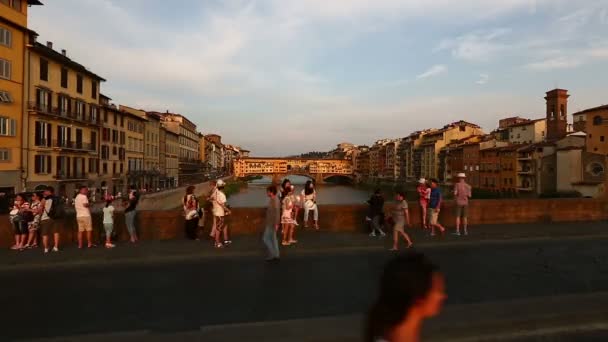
(318, 170)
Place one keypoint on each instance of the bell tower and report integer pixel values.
(557, 113)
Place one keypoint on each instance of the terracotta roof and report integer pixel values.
(591, 109)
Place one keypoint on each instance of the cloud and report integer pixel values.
(477, 46)
(483, 79)
(433, 71)
(555, 63)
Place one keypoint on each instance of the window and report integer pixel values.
(115, 119)
(43, 99)
(64, 78)
(113, 168)
(598, 120)
(17, 5)
(122, 138)
(601, 138)
(42, 164)
(105, 115)
(5, 69)
(42, 134)
(5, 155)
(5, 97)
(105, 168)
(94, 89)
(115, 136)
(596, 169)
(93, 165)
(93, 140)
(105, 152)
(8, 127)
(64, 136)
(562, 110)
(122, 121)
(44, 69)
(114, 151)
(5, 37)
(80, 110)
(64, 104)
(121, 168)
(93, 114)
(79, 83)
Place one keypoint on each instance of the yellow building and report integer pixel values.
(151, 151)
(14, 36)
(64, 121)
(136, 122)
(528, 132)
(113, 148)
(172, 158)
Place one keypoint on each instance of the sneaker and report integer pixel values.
(456, 233)
(46, 250)
(285, 243)
(55, 249)
(466, 233)
(219, 245)
(109, 245)
(295, 223)
(382, 234)
(293, 241)
(373, 234)
(227, 242)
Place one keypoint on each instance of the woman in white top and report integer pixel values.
(287, 216)
(310, 203)
(37, 209)
(220, 211)
(190, 204)
(108, 221)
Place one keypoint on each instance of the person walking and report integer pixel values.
(83, 217)
(212, 190)
(287, 217)
(424, 194)
(376, 212)
(51, 218)
(435, 207)
(411, 290)
(108, 221)
(36, 209)
(273, 220)
(131, 212)
(191, 213)
(220, 210)
(401, 218)
(310, 204)
(462, 193)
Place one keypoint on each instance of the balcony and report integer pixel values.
(70, 176)
(73, 145)
(63, 114)
(524, 157)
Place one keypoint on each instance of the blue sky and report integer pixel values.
(288, 76)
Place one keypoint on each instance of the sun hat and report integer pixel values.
(462, 175)
(421, 181)
(220, 183)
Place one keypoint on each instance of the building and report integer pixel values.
(451, 158)
(594, 122)
(489, 169)
(577, 169)
(136, 126)
(214, 151)
(113, 148)
(507, 158)
(152, 150)
(362, 171)
(64, 122)
(470, 162)
(14, 35)
(536, 168)
(528, 132)
(508, 122)
(190, 166)
(171, 164)
(557, 113)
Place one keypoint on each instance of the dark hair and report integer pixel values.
(50, 189)
(132, 187)
(285, 181)
(287, 191)
(433, 180)
(190, 190)
(82, 187)
(108, 202)
(20, 195)
(405, 279)
(38, 194)
(272, 189)
(308, 188)
(401, 193)
(377, 192)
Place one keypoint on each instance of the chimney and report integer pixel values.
(49, 45)
(64, 52)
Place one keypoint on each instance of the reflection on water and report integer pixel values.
(254, 195)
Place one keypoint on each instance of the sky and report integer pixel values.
(283, 77)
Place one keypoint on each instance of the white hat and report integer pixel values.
(461, 175)
(421, 181)
(220, 183)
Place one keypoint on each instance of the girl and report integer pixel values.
(310, 203)
(190, 204)
(19, 220)
(36, 209)
(401, 217)
(286, 217)
(108, 221)
(424, 193)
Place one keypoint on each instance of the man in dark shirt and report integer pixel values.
(130, 212)
(376, 213)
(273, 219)
(435, 207)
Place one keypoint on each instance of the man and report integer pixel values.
(376, 213)
(219, 212)
(462, 193)
(49, 225)
(435, 207)
(212, 190)
(83, 216)
(130, 212)
(273, 219)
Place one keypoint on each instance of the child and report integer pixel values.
(108, 221)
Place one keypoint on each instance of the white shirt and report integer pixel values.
(48, 203)
(219, 200)
(79, 204)
(108, 213)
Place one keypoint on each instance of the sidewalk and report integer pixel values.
(310, 242)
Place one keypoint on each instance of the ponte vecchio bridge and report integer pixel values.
(319, 170)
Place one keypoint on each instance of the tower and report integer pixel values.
(557, 113)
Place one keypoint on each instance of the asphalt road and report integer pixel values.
(185, 295)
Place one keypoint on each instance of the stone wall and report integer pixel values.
(168, 224)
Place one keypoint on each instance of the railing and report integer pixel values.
(43, 143)
(62, 113)
(73, 145)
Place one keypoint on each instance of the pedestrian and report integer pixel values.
(36, 209)
(284, 185)
(108, 221)
(424, 194)
(434, 208)
(191, 213)
(376, 212)
(310, 204)
(273, 220)
(287, 217)
(83, 217)
(19, 215)
(411, 290)
(220, 211)
(401, 218)
(51, 218)
(212, 190)
(131, 212)
(462, 193)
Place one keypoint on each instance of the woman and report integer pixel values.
(36, 209)
(287, 218)
(411, 290)
(424, 193)
(401, 217)
(108, 221)
(20, 217)
(220, 211)
(310, 203)
(190, 204)
(286, 184)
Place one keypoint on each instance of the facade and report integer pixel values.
(14, 35)
(113, 148)
(508, 122)
(171, 164)
(64, 122)
(489, 169)
(281, 166)
(528, 132)
(136, 123)
(557, 113)
(594, 122)
(470, 162)
(536, 168)
(190, 166)
(577, 169)
(152, 151)
(508, 168)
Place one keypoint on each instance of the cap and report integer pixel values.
(422, 181)
(220, 182)
(461, 175)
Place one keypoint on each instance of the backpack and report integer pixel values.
(57, 210)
